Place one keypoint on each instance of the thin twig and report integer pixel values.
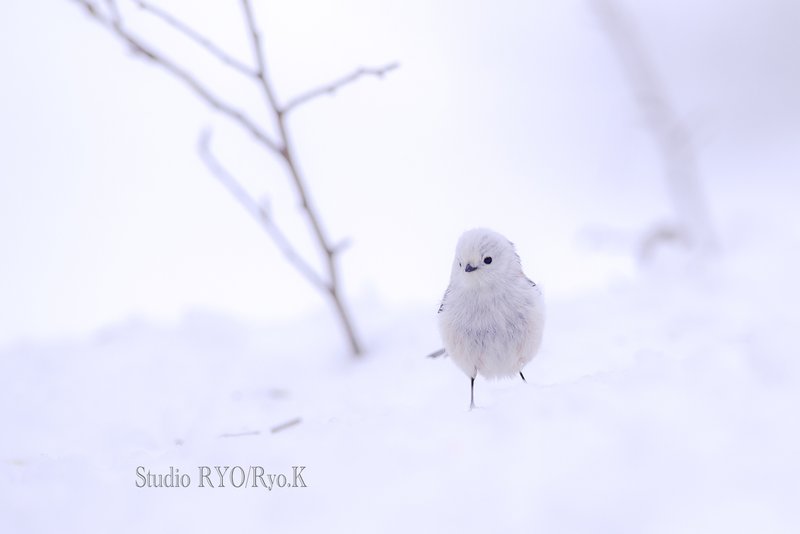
(258, 53)
(331, 88)
(302, 192)
(197, 37)
(113, 11)
(240, 434)
(288, 424)
(287, 152)
(185, 76)
(260, 214)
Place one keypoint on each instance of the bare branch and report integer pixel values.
(288, 424)
(258, 53)
(287, 152)
(302, 192)
(240, 434)
(331, 88)
(197, 37)
(670, 133)
(90, 8)
(342, 245)
(282, 146)
(185, 76)
(113, 11)
(251, 206)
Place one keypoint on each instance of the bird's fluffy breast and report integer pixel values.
(494, 331)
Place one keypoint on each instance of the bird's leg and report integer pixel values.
(523, 376)
(471, 392)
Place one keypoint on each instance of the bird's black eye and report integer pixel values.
(487, 260)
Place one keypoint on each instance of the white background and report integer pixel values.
(516, 116)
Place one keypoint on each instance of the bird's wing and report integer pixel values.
(444, 299)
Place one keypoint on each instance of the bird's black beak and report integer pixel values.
(470, 268)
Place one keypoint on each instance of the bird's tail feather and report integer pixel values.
(436, 354)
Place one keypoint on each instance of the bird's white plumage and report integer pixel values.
(492, 316)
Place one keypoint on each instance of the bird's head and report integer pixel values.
(483, 257)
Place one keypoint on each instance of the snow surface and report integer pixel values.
(666, 403)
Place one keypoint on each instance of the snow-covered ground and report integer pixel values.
(666, 403)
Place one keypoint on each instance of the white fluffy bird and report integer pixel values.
(492, 316)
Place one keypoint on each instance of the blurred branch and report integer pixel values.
(196, 36)
(113, 10)
(114, 23)
(334, 86)
(273, 430)
(258, 52)
(240, 434)
(111, 18)
(670, 133)
(287, 152)
(260, 214)
(288, 424)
